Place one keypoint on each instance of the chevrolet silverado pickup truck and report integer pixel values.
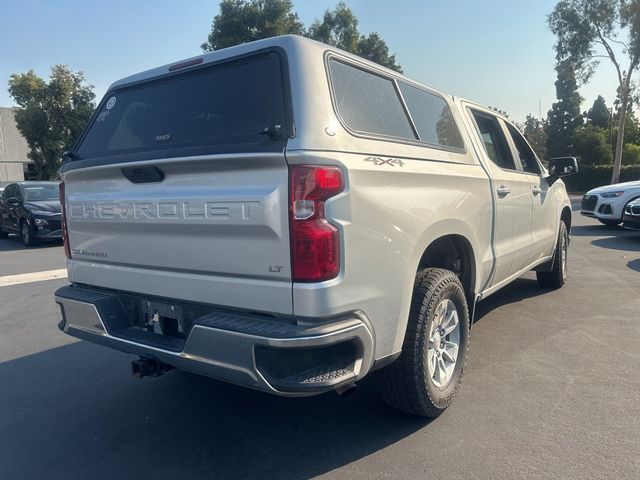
(289, 217)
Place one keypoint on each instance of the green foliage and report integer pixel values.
(589, 177)
(580, 27)
(51, 115)
(564, 118)
(587, 30)
(339, 28)
(241, 21)
(591, 146)
(374, 48)
(631, 154)
(534, 130)
(632, 128)
(599, 114)
(499, 111)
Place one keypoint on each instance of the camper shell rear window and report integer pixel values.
(238, 105)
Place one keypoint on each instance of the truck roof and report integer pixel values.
(288, 43)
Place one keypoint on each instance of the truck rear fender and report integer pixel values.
(449, 244)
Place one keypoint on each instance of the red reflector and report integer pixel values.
(315, 243)
(63, 221)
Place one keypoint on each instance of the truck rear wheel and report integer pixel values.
(557, 277)
(426, 377)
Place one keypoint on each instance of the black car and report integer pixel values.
(31, 210)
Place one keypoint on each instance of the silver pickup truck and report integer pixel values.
(288, 217)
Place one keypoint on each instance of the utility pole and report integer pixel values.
(540, 109)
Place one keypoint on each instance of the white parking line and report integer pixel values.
(32, 277)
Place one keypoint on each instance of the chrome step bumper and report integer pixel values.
(248, 350)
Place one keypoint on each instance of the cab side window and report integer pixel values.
(525, 153)
(495, 143)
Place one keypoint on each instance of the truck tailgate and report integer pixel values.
(213, 230)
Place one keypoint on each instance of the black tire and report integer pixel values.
(407, 383)
(557, 277)
(610, 223)
(3, 234)
(26, 234)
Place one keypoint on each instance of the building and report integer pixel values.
(14, 161)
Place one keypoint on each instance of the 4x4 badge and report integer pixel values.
(385, 161)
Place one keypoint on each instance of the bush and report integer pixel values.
(631, 154)
(591, 146)
(589, 177)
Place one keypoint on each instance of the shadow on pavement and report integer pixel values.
(516, 291)
(634, 265)
(73, 412)
(630, 243)
(14, 243)
(596, 230)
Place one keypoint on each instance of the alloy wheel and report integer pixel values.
(444, 339)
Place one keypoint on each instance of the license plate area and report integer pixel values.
(165, 319)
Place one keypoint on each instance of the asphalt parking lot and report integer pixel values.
(552, 390)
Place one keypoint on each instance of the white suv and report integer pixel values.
(607, 203)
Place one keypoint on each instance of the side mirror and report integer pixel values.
(562, 166)
(13, 200)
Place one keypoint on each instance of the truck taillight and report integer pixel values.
(315, 243)
(63, 222)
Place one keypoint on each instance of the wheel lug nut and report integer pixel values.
(442, 345)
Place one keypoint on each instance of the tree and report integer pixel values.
(587, 30)
(599, 113)
(51, 116)
(591, 145)
(241, 21)
(564, 117)
(534, 130)
(374, 48)
(498, 110)
(339, 28)
(631, 154)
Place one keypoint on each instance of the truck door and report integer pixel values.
(544, 224)
(512, 197)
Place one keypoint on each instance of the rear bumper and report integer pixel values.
(249, 350)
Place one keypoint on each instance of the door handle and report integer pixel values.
(536, 190)
(503, 191)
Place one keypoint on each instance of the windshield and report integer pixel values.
(220, 108)
(41, 193)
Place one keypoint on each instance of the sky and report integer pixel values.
(495, 52)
